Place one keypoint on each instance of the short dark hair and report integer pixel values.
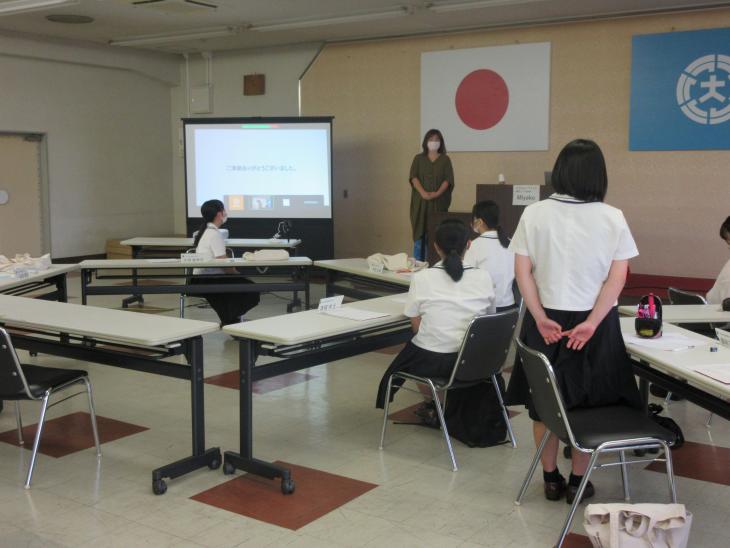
(430, 133)
(580, 171)
(488, 211)
(725, 229)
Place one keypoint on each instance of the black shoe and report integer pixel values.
(554, 490)
(572, 491)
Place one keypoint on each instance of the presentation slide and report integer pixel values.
(260, 170)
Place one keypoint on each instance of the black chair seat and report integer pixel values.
(597, 425)
(41, 379)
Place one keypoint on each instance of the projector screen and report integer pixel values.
(260, 168)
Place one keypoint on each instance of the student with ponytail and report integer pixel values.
(441, 302)
(209, 241)
(489, 252)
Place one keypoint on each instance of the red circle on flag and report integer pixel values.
(482, 99)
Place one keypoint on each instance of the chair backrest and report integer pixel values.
(544, 392)
(680, 296)
(12, 380)
(485, 346)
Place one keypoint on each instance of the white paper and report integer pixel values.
(668, 341)
(163, 260)
(719, 372)
(357, 314)
(330, 303)
(523, 195)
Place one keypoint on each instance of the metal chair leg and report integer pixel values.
(505, 413)
(36, 442)
(670, 472)
(709, 420)
(445, 430)
(668, 399)
(92, 412)
(385, 411)
(625, 476)
(578, 496)
(182, 306)
(19, 420)
(533, 466)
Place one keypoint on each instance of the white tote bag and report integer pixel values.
(637, 525)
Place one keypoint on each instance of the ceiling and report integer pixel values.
(242, 24)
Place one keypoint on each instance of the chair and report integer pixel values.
(31, 382)
(189, 274)
(598, 430)
(481, 356)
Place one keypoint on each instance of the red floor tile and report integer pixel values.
(317, 493)
(407, 415)
(71, 433)
(699, 461)
(576, 541)
(230, 380)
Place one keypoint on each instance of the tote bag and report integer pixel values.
(637, 525)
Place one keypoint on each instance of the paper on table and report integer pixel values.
(164, 260)
(720, 372)
(355, 314)
(668, 341)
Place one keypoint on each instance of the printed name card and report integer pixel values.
(330, 303)
(193, 257)
(523, 195)
(376, 268)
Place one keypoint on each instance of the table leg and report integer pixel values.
(244, 460)
(134, 298)
(85, 280)
(306, 288)
(62, 288)
(201, 456)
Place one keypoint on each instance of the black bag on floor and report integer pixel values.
(666, 422)
(473, 415)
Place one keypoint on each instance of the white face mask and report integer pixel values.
(433, 146)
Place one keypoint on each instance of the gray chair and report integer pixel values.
(598, 430)
(189, 275)
(31, 382)
(480, 358)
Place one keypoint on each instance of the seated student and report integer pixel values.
(721, 290)
(441, 302)
(489, 252)
(230, 307)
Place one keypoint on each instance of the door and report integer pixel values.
(21, 216)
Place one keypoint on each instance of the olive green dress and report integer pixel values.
(431, 174)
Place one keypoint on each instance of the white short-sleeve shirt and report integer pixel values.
(571, 245)
(486, 253)
(721, 290)
(211, 245)
(446, 307)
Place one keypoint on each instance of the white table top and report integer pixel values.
(681, 364)
(312, 325)
(253, 243)
(177, 263)
(9, 283)
(686, 313)
(360, 267)
(101, 323)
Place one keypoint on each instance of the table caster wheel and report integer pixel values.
(159, 487)
(214, 464)
(228, 468)
(287, 486)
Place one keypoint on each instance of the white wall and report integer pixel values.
(106, 115)
(282, 67)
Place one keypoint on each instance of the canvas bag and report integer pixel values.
(623, 525)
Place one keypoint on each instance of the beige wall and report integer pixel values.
(674, 201)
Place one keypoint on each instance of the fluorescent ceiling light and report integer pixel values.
(463, 6)
(22, 6)
(295, 24)
(172, 37)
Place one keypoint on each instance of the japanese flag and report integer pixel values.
(495, 98)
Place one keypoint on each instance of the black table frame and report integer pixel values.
(294, 358)
(299, 282)
(55, 281)
(378, 288)
(129, 357)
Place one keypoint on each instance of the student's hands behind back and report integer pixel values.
(580, 335)
(550, 330)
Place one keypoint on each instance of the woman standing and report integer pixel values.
(432, 182)
(571, 259)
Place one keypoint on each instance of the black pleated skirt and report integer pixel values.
(599, 374)
(418, 361)
(229, 306)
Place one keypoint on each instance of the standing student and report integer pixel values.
(442, 300)
(571, 260)
(432, 182)
(209, 241)
(721, 290)
(489, 252)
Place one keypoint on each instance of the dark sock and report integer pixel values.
(575, 480)
(553, 476)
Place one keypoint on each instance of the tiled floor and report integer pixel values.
(326, 422)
